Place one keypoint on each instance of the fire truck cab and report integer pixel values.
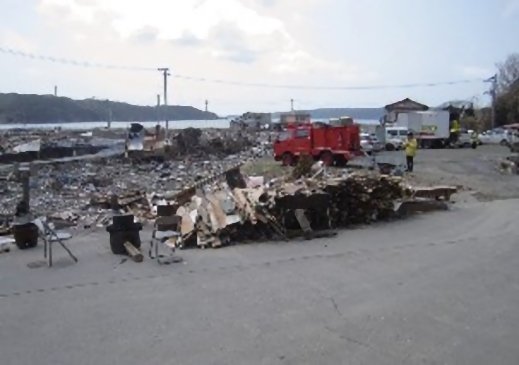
(334, 145)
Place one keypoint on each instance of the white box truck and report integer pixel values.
(430, 128)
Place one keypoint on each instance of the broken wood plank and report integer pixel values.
(133, 252)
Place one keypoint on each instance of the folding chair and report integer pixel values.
(50, 236)
(167, 232)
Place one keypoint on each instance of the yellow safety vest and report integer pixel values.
(455, 126)
(410, 147)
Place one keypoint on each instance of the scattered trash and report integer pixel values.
(4, 244)
(197, 176)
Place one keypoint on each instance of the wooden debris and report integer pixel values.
(218, 215)
(133, 252)
(303, 167)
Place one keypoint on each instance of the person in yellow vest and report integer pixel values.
(455, 125)
(454, 132)
(474, 140)
(410, 147)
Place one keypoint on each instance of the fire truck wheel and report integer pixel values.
(327, 158)
(341, 161)
(287, 159)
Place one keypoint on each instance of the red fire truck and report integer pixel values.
(334, 145)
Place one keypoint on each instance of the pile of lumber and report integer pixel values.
(361, 199)
(218, 215)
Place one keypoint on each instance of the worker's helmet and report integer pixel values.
(410, 133)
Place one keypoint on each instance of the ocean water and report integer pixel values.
(177, 124)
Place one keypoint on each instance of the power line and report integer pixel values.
(234, 83)
(33, 56)
(312, 87)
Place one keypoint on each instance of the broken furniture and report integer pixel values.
(124, 229)
(166, 232)
(295, 207)
(49, 236)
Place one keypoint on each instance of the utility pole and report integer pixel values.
(206, 104)
(55, 91)
(157, 114)
(165, 72)
(109, 113)
(493, 94)
(291, 104)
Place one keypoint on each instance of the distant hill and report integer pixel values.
(355, 113)
(29, 108)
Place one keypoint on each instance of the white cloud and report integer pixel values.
(171, 18)
(236, 40)
(227, 29)
(11, 39)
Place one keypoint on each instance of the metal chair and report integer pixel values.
(167, 226)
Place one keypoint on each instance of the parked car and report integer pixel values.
(369, 144)
(498, 136)
(465, 139)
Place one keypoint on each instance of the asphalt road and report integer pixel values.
(474, 171)
(441, 288)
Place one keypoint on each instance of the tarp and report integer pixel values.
(27, 147)
(135, 144)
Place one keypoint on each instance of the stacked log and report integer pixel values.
(364, 199)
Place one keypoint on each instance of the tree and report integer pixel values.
(507, 98)
(508, 73)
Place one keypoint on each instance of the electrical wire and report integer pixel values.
(18, 53)
(312, 87)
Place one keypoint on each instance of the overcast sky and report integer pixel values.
(325, 43)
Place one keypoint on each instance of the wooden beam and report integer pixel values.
(133, 252)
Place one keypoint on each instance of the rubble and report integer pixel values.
(218, 214)
(303, 166)
(508, 165)
(220, 143)
(198, 174)
(72, 191)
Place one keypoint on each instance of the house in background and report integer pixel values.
(402, 106)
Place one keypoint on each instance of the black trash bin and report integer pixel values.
(25, 235)
(124, 229)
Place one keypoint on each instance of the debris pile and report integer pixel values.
(199, 175)
(197, 143)
(303, 166)
(218, 214)
(363, 199)
(508, 165)
(77, 193)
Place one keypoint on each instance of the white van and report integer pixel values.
(395, 138)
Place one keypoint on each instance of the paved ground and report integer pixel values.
(475, 170)
(436, 289)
